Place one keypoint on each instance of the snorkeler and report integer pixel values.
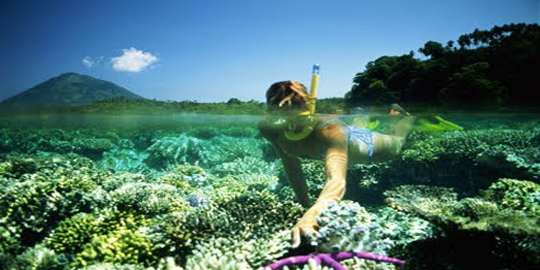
(296, 132)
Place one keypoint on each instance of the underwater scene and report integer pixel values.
(193, 191)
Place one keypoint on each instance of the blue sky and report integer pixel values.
(213, 50)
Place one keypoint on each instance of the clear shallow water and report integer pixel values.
(216, 178)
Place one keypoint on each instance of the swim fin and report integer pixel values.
(366, 122)
(434, 124)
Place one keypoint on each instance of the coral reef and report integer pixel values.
(346, 226)
(440, 206)
(516, 194)
(215, 155)
(468, 161)
(502, 223)
(147, 199)
(124, 160)
(331, 259)
(37, 257)
(201, 196)
(241, 252)
(109, 236)
(55, 188)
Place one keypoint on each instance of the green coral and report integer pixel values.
(516, 195)
(468, 161)
(257, 213)
(118, 179)
(496, 224)
(148, 198)
(192, 176)
(243, 183)
(35, 202)
(183, 149)
(244, 252)
(124, 160)
(260, 212)
(71, 234)
(110, 236)
(170, 151)
(441, 207)
(176, 234)
(122, 246)
(92, 147)
(346, 226)
(314, 173)
(35, 258)
(114, 266)
(244, 165)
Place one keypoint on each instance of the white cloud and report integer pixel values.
(133, 60)
(88, 61)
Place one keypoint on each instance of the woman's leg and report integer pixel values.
(389, 146)
(404, 127)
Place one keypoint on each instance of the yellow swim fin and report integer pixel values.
(366, 122)
(373, 124)
(434, 124)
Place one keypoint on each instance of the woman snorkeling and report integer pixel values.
(295, 132)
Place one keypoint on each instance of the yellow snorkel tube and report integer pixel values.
(309, 114)
(313, 92)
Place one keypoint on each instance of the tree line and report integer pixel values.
(484, 69)
(233, 106)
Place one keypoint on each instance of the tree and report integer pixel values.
(234, 101)
(433, 49)
(471, 86)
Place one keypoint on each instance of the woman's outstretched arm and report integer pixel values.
(334, 189)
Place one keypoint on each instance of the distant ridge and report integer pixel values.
(68, 89)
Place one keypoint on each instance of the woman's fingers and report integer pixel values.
(295, 237)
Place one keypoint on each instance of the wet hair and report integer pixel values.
(290, 94)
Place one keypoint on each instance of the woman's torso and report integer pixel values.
(315, 145)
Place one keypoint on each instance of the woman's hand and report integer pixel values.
(306, 225)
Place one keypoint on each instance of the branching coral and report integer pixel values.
(257, 214)
(123, 246)
(37, 257)
(124, 160)
(347, 226)
(92, 147)
(115, 266)
(497, 224)
(441, 207)
(217, 202)
(516, 194)
(171, 151)
(314, 173)
(176, 234)
(116, 180)
(35, 202)
(239, 252)
(244, 165)
(243, 183)
(148, 198)
(189, 176)
(110, 236)
(468, 161)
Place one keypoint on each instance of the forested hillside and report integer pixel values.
(484, 69)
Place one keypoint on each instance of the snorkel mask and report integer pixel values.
(305, 118)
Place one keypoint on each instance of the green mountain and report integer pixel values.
(68, 89)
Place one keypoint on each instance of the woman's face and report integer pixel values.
(285, 110)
